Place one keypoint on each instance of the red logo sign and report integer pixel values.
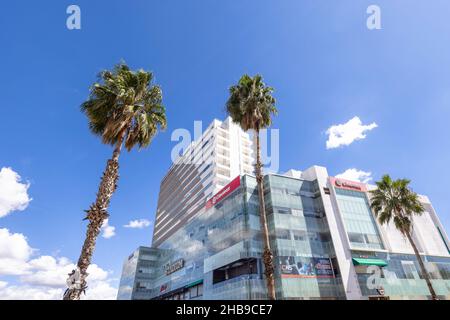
(163, 288)
(348, 185)
(224, 192)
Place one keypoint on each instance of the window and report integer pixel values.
(371, 238)
(209, 185)
(299, 235)
(143, 285)
(410, 270)
(283, 211)
(206, 177)
(223, 172)
(206, 168)
(145, 270)
(292, 193)
(193, 292)
(313, 236)
(282, 234)
(324, 237)
(356, 237)
(234, 270)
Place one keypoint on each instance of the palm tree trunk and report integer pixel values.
(267, 254)
(422, 267)
(96, 215)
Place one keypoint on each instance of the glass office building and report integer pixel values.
(301, 241)
(325, 239)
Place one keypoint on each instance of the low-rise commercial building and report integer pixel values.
(326, 241)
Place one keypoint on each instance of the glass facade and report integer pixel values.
(217, 253)
(359, 221)
(301, 241)
(402, 277)
(221, 249)
(138, 274)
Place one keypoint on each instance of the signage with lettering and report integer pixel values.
(224, 192)
(175, 266)
(303, 267)
(348, 185)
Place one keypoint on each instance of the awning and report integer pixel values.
(194, 283)
(369, 262)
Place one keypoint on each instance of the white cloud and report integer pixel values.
(14, 252)
(52, 272)
(13, 193)
(108, 231)
(19, 292)
(48, 271)
(138, 224)
(347, 133)
(43, 277)
(100, 290)
(356, 175)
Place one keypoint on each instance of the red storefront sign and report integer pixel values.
(224, 192)
(348, 185)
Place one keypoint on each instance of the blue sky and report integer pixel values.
(325, 65)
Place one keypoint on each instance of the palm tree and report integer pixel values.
(395, 200)
(124, 108)
(251, 105)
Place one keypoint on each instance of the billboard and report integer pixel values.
(304, 267)
(224, 192)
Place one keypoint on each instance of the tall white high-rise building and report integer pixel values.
(222, 153)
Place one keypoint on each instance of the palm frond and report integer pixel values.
(394, 200)
(123, 99)
(251, 103)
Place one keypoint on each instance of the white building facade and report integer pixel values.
(361, 244)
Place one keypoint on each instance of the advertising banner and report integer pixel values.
(224, 192)
(303, 267)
